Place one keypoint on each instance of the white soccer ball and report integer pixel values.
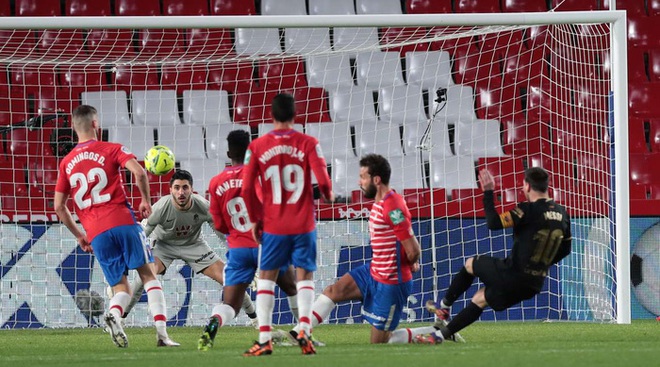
(645, 269)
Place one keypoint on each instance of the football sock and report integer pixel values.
(136, 288)
(404, 336)
(118, 304)
(293, 305)
(305, 304)
(265, 304)
(461, 282)
(248, 306)
(224, 313)
(464, 318)
(320, 310)
(156, 300)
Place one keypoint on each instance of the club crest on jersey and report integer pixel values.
(248, 154)
(196, 217)
(396, 216)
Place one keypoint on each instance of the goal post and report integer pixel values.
(440, 96)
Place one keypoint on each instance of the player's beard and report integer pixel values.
(186, 201)
(370, 192)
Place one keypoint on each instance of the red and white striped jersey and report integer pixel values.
(389, 224)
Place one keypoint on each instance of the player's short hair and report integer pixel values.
(377, 165)
(537, 178)
(283, 107)
(181, 174)
(237, 144)
(83, 115)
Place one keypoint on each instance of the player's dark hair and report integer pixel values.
(537, 178)
(237, 144)
(283, 108)
(377, 165)
(83, 113)
(181, 174)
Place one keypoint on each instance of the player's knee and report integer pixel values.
(331, 292)
(468, 265)
(479, 298)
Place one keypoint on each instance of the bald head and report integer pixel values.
(83, 119)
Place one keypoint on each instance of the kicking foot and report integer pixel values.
(116, 331)
(305, 343)
(208, 336)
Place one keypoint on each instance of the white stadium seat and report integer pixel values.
(353, 105)
(257, 41)
(186, 141)
(334, 137)
(138, 139)
(155, 108)
(329, 71)
(377, 69)
(479, 138)
(457, 172)
(216, 140)
(401, 105)
(378, 6)
(333, 7)
(438, 137)
(112, 107)
(429, 70)
(283, 7)
(353, 39)
(306, 40)
(206, 107)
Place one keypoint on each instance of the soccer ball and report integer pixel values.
(159, 160)
(645, 269)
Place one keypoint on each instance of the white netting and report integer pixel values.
(439, 102)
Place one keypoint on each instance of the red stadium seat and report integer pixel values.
(87, 8)
(654, 65)
(637, 72)
(233, 7)
(520, 66)
(634, 8)
(136, 77)
(536, 36)
(161, 43)
(644, 168)
(28, 78)
(642, 33)
(24, 143)
(42, 175)
(132, 7)
(182, 76)
(636, 136)
(591, 101)
(231, 75)
(504, 43)
(654, 135)
(281, 74)
(524, 6)
(110, 44)
(38, 8)
(311, 105)
(654, 191)
(639, 192)
(428, 6)
(641, 100)
(251, 106)
(498, 100)
(573, 5)
(83, 78)
(61, 43)
(471, 65)
(508, 172)
(477, 6)
(188, 7)
(206, 43)
(654, 7)
(393, 35)
(521, 136)
(465, 202)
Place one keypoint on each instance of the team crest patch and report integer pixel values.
(396, 216)
(248, 154)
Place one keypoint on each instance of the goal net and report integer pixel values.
(440, 102)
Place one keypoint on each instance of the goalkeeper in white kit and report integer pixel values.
(175, 225)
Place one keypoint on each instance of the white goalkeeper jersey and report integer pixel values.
(178, 227)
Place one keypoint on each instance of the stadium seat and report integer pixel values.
(82, 78)
(465, 202)
(653, 8)
(139, 139)
(61, 43)
(401, 105)
(592, 102)
(87, 8)
(429, 70)
(637, 143)
(311, 105)
(436, 139)
(573, 5)
(352, 39)
(403, 40)
(266, 127)
(428, 6)
(252, 42)
(204, 43)
(155, 108)
(459, 104)
(541, 98)
(112, 107)
(329, 71)
(233, 7)
(523, 136)
(479, 138)
(188, 7)
(306, 40)
(42, 175)
(283, 7)
(252, 106)
(654, 66)
(335, 138)
(24, 143)
(183, 76)
(335, 7)
(508, 172)
(644, 169)
(654, 135)
(280, 74)
(206, 107)
(110, 44)
(634, 8)
(5, 8)
(524, 6)
(409, 173)
(31, 78)
(130, 77)
(641, 33)
(498, 100)
(37, 8)
(472, 65)
(639, 192)
(157, 44)
(344, 175)
(133, 8)
(216, 140)
(17, 43)
(640, 100)
(503, 43)
(637, 72)
(455, 172)
(654, 191)
(536, 36)
(378, 6)
(231, 75)
(477, 6)
(187, 142)
(520, 65)
(379, 138)
(202, 170)
(353, 105)
(377, 69)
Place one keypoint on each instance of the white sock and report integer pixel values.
(248, 306)
(293, 306)
(443, 305)
(305, 302)
(136, 288)
(118, 304)
(224, 313)
(320, 310)
(156, 299)
(404, 336)
(265, 305)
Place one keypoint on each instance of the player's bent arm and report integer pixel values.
(413, 250)
(493, 219)
(140, 178)
(65, 215)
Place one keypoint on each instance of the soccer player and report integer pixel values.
(176, 223)
(541, 238)
(284, 160)
(382, 285)
(90, 173)
(230, 217)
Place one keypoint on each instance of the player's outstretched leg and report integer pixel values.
(156, 300)
(442, 315)
(250, 310)
(222, 314)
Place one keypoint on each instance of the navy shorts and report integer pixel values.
(120, 249)
(279, 250)
(242, 264)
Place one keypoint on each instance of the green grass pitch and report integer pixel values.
(488, 344)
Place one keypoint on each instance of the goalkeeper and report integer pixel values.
(541, 238)
(176, 224)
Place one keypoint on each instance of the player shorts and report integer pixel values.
(198, 256)
(278, 250)
(382, 304)
(504, 286)
(119, 249)
(242, 264)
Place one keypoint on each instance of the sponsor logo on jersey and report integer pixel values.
(396, 216)
(248, 154)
